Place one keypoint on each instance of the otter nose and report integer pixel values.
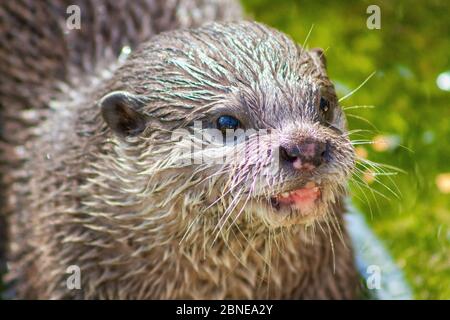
(306, 155)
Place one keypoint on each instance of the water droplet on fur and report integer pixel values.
(124, 53)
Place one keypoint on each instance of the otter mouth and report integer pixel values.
(295, 206)
(303, 199)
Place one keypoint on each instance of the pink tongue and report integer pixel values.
(302, 195)
(301, 198)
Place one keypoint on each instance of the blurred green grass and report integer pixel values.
(408, 53)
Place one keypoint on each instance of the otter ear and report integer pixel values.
(120, 110)
(319, 55)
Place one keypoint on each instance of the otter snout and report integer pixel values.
(306, 155)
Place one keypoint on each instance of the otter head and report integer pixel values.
(228, 124)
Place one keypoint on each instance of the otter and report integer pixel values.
(107, 171)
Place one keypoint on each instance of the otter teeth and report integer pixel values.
(310, 185)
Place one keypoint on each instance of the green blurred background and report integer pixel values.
(409, 122)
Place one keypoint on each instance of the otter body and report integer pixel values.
(93, 178)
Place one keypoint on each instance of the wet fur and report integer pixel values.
(142, 225)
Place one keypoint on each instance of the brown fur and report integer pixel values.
(138, 223)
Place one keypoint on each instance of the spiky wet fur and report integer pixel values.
(142, 225)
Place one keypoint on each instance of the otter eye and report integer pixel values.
(324, 105)
(227, 122)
